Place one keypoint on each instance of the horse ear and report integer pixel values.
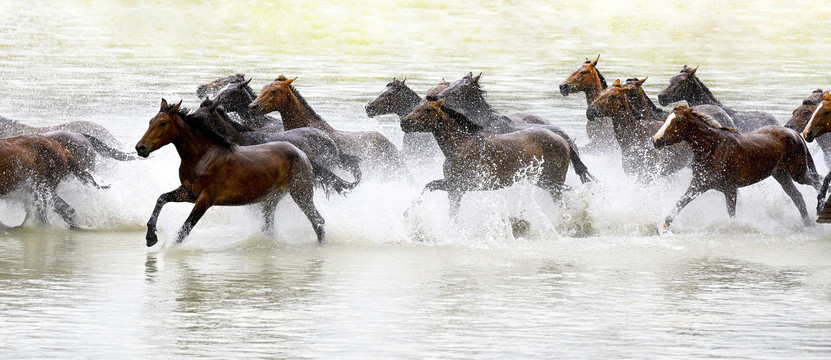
(641, 81)
(616, 83)
(826, 96)
(403, 81)
(469, 75)
(289, 81)
(213, 106)
(175, 108)
(164, 105)
(247, 81)
(693, 70)
(476, 79)
(440, 102)
(594, 62)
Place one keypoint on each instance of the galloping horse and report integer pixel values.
(643, 107)
(215, 171)
(39, 164)
(397, 98)
(465, 96)
(372, 147)
(9, 127)
(725, 160)
(588, 79)
(235, 98)
(639, 158)
(819, 124)
(802, 115)
(322, 151)
(687, 86)
(210, 89)
(481, 160)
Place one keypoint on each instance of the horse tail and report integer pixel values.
(353, 164)
(574, 155)
(329, 181)
(106, 150)
(80, 172)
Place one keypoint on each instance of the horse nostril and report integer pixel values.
(564, 89)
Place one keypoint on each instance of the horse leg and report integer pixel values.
(201, 205)
(65, 211)
(821, 193)
(692, 192)
(730, 196)
(434, 185)
(785, 180)
(268, 206)
(40, 207)
(455, 198)
(303, 196)
(179, 195)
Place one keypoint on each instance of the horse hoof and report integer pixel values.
(152, 239)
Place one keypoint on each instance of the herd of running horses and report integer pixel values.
(233, 153)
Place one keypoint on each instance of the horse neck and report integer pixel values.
(593, 90)
(296, 115)
(628, 128)
(190, 144)
(702, 95)
(409, 102)
(482, 112)
(640, 106)
(451, 139)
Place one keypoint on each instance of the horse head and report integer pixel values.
(397, 98)
(680, 87)
(275, 95)
(820, 121)
(584, 78)
(610, 102)
(802, 114)
(161, 130)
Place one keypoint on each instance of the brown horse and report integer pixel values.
(372, 147)
(802, 115)
(467, 97)
(481, 160)
(687, 86)
(725, 160)
(819, 123)
(39, 164)
(235, 97)
(214, 171)
(640, 159)
(586, 78)
(9, 127)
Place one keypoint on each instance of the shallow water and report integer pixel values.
(588, 279)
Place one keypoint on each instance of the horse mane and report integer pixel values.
(711, 121)
(200, 124)
(305, 104)
(236, 125)
(461, 120)
(602, 79)
(481, 92)
(705, 89)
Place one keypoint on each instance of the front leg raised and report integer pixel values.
(179, 195)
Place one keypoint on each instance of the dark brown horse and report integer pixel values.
(639, 157)
(214, 171)
(687, 86)
(39, 164)
(802, 115)
(322, 151)
(465, 96)
(235, 97)
(399, 99)
(372, 147)
(725, 160)
(586, 78)
(819, 123)
(481, 160)
(210, 89)
(643, 107)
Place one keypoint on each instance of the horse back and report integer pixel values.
(31, 157)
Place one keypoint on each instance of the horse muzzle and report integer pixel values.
(371, 111)
(664, 99)
(808, 135)
(565, 89)
(592, 113)
(256, 109)
(143, 150)
(658, 143)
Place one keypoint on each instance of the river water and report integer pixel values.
(419, 286)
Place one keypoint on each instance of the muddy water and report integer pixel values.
(420, 286)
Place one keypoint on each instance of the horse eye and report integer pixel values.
(273, 92)
(584, 72)
(163, 124)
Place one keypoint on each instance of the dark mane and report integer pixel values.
(602, 79)
(461, 120)
(705, 89)
(482, 93)
(234, 124)
(211, 132)
(305, 104)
